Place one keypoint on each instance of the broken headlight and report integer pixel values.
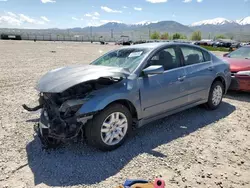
(70, 107)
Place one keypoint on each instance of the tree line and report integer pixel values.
(196, 36)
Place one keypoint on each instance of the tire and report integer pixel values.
(214, 101)
(94, 128)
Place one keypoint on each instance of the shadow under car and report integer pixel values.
(78, 164)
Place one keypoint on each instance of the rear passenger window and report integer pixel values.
(192, 55)
(207, 56)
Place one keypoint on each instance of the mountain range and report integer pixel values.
(222, 21)
(237, 29)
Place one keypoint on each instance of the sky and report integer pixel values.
(81, 13)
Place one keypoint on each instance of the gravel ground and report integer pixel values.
(194, 148)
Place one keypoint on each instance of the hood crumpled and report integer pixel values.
(58, 80)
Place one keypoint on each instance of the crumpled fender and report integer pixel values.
(101, 98)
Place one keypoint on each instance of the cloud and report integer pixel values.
(45, 19)
(112, 21)
(74, 18)
(124, 7)
(95, 14)
(173, 15)
(48, 1)
(138, 8)
(157, 1)
(95, 18)
(187, 1)
(12, 14)
(88, 15)
(3, 0)
(107, 9)
(199, 1)
(24, 18)
(11, 19)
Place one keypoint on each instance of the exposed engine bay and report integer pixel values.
(58, 119)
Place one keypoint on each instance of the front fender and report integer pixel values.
(104, 97)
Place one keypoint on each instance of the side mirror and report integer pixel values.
(225, 55)
(153, 69)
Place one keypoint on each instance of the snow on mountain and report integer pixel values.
(215, 21)
(244, 21)
(145, 22)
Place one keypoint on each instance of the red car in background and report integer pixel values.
(239, 61)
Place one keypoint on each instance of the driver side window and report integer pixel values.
(167, 57)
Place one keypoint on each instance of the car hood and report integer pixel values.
(58, 80)
(237, 65)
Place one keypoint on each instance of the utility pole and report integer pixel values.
(91, 32)
(112, 33)
(149, 33)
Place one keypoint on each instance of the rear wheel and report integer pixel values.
(215, 95)
(109, 129)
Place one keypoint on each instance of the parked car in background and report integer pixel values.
(222, 44)
(127, 87)
(201, 43)
(235, 46)
(239, 61)
(124, 40)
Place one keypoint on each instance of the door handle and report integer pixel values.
(210, 68)
(181, 78)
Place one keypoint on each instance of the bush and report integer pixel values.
(176, 36)
(183, 37)
(179, 36)
(220, 37)
(155, 35)
(165, 36)
(196, 36)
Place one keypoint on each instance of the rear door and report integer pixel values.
(200, 72)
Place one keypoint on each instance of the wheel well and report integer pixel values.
(129, 105)
(222, 80)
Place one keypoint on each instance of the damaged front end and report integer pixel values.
(59, 120)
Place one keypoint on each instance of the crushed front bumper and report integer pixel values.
(52, 134)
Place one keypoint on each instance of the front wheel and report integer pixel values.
(215, 95)
(109, 129)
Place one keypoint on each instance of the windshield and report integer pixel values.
(241, 53)
(128, 58)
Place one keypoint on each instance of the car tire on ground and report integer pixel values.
(109, 129)
(215, 95)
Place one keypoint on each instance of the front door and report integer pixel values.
(166, 91)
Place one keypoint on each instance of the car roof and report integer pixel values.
(148, 45)
(154, 45)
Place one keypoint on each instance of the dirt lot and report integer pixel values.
(194, 148)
